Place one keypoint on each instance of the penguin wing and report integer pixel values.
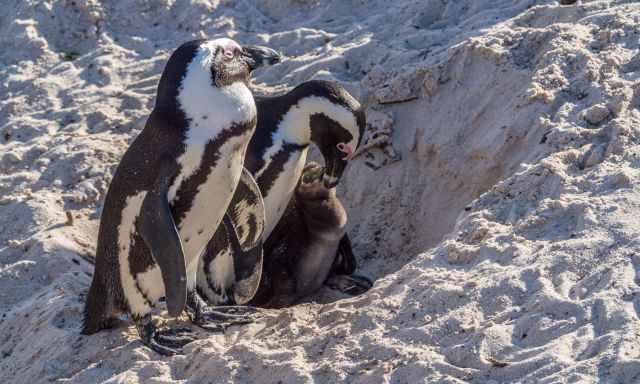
(157, 228)
(246, 212)
(213, 265)
(244, 222)
(345, 261)
(239, 235)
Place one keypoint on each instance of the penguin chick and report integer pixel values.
(299, 258)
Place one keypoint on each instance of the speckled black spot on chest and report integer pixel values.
(188, 190)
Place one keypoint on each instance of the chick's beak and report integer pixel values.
(330, 181)
(333, 172)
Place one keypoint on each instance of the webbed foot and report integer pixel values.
(352, 285)
(218, 318)
(167, 341)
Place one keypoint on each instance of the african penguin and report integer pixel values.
(172, 188)
(302, 250)
(318, 112)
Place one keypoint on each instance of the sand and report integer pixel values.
(500, 226)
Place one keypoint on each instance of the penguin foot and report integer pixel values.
(239, 310)
(280, 301)
(352, 285)
(217, 318)
(168, 341)
(214, 321)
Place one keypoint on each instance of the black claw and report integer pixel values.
(214, 321)
(212, 327)
(161, 349)
(237, 309)
(352, 285)
(173, 342)
(226, 315)
(221, 317)
(178, 331)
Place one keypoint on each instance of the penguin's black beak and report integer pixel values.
(333, 172)
(257, 56)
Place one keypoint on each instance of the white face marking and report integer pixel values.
(222, 275)
(276, 200)
(126, 229)
(295, 125)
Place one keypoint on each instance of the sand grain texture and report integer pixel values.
(501, 228)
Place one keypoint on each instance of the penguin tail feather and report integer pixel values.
(97, 315)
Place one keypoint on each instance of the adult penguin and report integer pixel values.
(172, 188)
(315, 112)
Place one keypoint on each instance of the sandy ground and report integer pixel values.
(501, 228)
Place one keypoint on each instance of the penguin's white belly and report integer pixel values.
(196, 229)
(210, 203)
(277, 199)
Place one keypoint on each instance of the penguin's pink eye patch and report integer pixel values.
(346, 149)
(230, 50)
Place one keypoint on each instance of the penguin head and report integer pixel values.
(338, 143)
(218, 62)
(230, 62)
(337, 127)
(311, 185)
(322, 210)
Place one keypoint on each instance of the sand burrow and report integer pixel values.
(473, 124)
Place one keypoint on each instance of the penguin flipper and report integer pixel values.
(245, 222)
(157, 228)
(247, 213)
(345, 261)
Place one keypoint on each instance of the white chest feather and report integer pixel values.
(209, 111)
(276, 200)
(211, 201)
